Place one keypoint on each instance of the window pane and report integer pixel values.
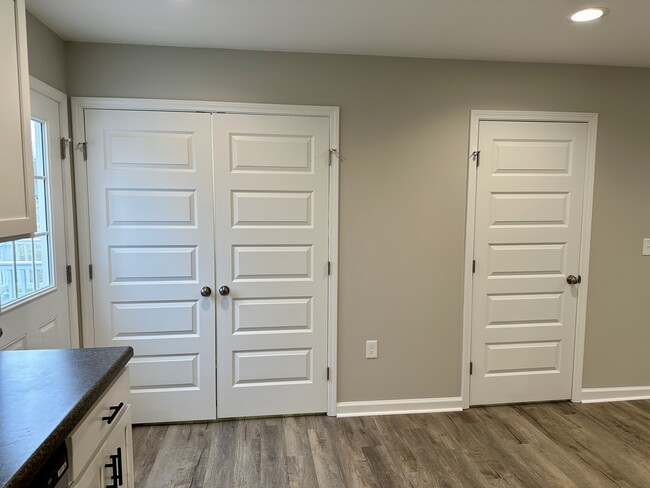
(24, 268)
(24, 250)
(38, 148)
(41, 205)
(7, 273)
(42, 262)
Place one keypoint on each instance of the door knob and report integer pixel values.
(574, 280)
(206, 291)
(224, 290)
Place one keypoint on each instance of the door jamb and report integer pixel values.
(80, 104)
(591, 119)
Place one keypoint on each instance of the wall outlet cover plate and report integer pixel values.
(371, 349)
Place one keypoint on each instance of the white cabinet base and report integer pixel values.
(112, 466)
(100, 450)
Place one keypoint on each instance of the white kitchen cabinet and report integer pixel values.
(112, 466)
(100, 451)
(17, 205)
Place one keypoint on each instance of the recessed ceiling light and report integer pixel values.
(588, 14)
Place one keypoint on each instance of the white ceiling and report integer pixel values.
(506, 30)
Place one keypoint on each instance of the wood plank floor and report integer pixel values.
(536, 445)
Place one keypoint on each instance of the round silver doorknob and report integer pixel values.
(574, 280)
(206, 291)
(224, 290)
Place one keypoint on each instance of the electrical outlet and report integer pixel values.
(371, 349)
(646, 247)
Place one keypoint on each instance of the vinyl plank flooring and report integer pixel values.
(248, 454)
(354, 466)
(519, 446)
(274, 466)
(300, 462)
(598, 445)
(326, 455)
(146, 442)
(174, 467)
(216, 465)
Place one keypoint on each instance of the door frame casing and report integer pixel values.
(477, 116)
(80, 104)
(68, 204)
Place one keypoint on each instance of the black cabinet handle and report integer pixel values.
(116, 410)
(119, 466)
(116, 467)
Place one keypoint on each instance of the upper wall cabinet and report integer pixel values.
(17, 205)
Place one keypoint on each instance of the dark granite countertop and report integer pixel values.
(43, 395)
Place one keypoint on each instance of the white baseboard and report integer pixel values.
(615, 394)
(396, 407)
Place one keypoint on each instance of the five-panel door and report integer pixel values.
(529, 201)
(152, 247)
(271, 210)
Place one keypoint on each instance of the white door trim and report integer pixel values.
(68, 203)
(591, 119)
(79, 104)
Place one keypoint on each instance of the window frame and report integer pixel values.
(40, 149)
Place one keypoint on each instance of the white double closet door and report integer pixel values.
(184, 205)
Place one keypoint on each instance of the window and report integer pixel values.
(26, 264)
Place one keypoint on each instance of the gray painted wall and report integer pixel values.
(404, 133)
(46, 53)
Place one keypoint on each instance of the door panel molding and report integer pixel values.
(477, 116)
(80, 104)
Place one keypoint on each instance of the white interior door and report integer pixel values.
(271, 186)
(152, 248)
(33, 283)
(527, 242)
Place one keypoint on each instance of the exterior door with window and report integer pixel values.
(34, 311)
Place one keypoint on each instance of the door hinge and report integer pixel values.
(64, 146)
(90, 271)
(328, 373)
(84, 149)
(68, 274)
(471, 368)
(473, 266)
(335, 152)
(329, 268)
(476, 157)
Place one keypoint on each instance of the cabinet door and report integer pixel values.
(112, 467)
(92, 478)
(117, 455)
(17, 204)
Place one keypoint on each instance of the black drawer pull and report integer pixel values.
(119, 466)
(116, 410)
(116, 468)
